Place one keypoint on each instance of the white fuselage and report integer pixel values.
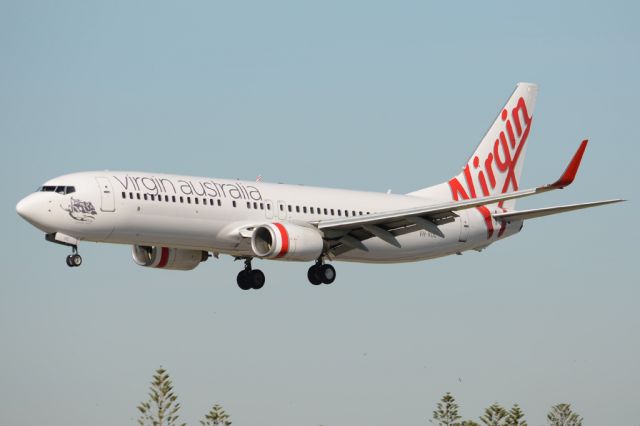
(205, 214)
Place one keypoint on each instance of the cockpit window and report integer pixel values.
(59, 189)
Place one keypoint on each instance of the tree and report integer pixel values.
(446, 413)
(515, 417)
(162, 407)
(561, 415)
(216, 417)
(495, 415)
(469, 423)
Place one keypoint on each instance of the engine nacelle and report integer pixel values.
(286, 241)
(168, 258)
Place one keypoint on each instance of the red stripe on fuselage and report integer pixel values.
(488, 220)
(503, 226)
(285, 239)
(164, 257)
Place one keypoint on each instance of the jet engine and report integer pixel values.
(168, 258)
(286, 241)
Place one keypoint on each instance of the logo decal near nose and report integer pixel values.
(82, 211)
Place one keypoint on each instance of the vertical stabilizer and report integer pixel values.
(496, 165)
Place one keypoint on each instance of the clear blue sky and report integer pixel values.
(365, 95)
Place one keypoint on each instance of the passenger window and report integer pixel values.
(346, 213)
(339, 212)
(261, 206)
(145, 197)
(325, 211)
(181, 199)
(255, 205)
(124, 195)
(188, 200)
(360, 213)
(131, 195)
(166, 198)
(268, 206)
(353, 213)
(138, 195)
(248, 205)
(173, 198)
(220, 203)
(289, 207)
(333, 212)
(152, 197)
(311, 210)
(297, 209)
(304, 209)
(233, 203)
(210, 201)
(196, 200)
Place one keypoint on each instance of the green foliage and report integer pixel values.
(216, 417)
(515, 417)
(446, 413)
(561, 415)
(469, 423)
(162, 407)
(495, 415)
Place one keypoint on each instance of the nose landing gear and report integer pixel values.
(74, 260)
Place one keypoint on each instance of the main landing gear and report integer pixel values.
(250, 278)
(321, 273)
(74, 260)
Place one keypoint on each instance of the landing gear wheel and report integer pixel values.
(313, 276)
(69, 262)
(327, 273)
(76, 259)
(256, 279)
(243, 280)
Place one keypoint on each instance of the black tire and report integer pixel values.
(327, 274)
(313, 275)
(257, 279)
(243, 280)
(76, 260)
(69, 262)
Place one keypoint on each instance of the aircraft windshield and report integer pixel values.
(59, 189)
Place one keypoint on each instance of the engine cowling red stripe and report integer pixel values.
(164, 258)
(285, 239)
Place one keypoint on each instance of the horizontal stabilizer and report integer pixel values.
(533, 213)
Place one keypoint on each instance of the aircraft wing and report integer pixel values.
(348, 233)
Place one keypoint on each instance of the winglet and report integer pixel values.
(572, 169)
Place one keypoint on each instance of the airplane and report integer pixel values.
(176, 222)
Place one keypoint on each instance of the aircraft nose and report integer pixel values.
(24, 207)
(30, 209)
(35, 209)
